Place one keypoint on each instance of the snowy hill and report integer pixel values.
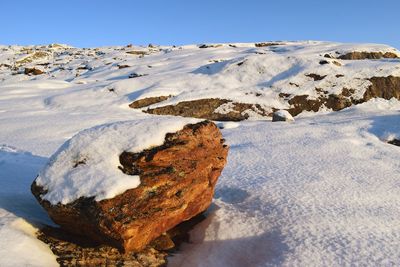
(322, 191)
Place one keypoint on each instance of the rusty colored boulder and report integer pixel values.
(33, 71)
(177, 183)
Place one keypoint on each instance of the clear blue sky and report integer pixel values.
(118, 22)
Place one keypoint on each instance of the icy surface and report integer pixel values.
(87, 164)
(322, 191)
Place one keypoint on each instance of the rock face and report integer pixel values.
(177, 183)
(383, 87)
(141, 103)
(265, 44)
(33, 71)
(395, 142)
(367, 55)
(72, 250)
(211, 109)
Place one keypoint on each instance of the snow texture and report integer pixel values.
(323, 191)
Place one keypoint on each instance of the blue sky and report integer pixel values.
(119, 22)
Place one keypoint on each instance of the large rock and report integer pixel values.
(381, 87)
(177, 181)
(212, 109)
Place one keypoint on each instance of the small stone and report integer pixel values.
(282, 115)
(395, 142)
(33, 71)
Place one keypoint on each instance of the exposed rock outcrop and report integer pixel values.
(33, 71)
(177, 183)
(395, 142)
(137, 52)
(383, 87)
(210, 45)
(367, 55)
(211, 109)
(136, 75)
(301, 103)
(227, 110)
(316, 77)
(144, 102)
(265, 44)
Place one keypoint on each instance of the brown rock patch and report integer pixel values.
(141, 103)
(73, 250)
(205, 109)
(265, 44)
(123, 66)
(33, 71)
(367, 55)
(210, 45)
(137, 52)
(316, 77)
(301, 102)
(383, 87)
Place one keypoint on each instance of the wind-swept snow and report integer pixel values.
(323, 191)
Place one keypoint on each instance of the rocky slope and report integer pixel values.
(217, 82)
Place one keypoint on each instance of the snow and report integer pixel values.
(322, 191)
(87, 164)
(284, 115)
(20, 215)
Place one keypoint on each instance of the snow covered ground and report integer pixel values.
(322, 191)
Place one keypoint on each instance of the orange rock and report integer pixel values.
(177, 183)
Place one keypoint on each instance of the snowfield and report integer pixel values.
(321, 191)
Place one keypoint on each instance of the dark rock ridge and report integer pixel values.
(367, 55)
(381, 87)
(33, 71)
(205, 109)
(210, 45)
(395, 142)
(265, 44)
(177, 183)
(144, 102)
